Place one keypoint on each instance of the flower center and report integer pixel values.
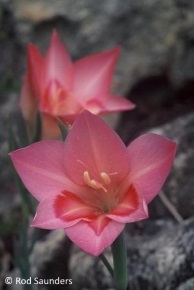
(104, 197)
(96, 184)
(55, 99)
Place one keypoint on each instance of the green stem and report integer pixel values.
(38, 128)
(64, 129)
(120, 262)
(106, 263)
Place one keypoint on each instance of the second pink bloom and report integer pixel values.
(60, 88)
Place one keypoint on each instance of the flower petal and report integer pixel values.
(150, 157)
(115, 104)
(58, 64)
(86, 238)
(31, 84)
(111, 104)
(132, 208)
(45, 217)
(41, 168)
(99, 224)
(93, 146)
(93, 74)
(70, 207)
(61, 211)
(35, 69)
(50, 128)
(28, 103)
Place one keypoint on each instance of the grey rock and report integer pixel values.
(188, 285)
(160, 256)
(4, 263)
(180, 184)
(89, 272)
(10, 74)
(7, 198)
(49, 260)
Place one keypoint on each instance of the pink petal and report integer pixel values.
(86, 238)
(50, 128)
(35, 70)
(46, 218)
(115, 104)
(93, 74)
(150, 157)
(132, 208)
(99, 224)
(28, 103)
(41, 168)
(93, 146)
(31, 85)
(58, 63)
(70, 207)
(111, 104)
(61, 211)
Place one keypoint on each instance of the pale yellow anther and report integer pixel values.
(105, 178)
(87, 178)
(93, 183)
(90, 182)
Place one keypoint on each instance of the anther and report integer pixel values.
(105, 178)
(90, 182)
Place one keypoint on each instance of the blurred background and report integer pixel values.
(156, 72)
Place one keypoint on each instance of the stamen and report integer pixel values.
(113, 173)
(94, 184)
(105, 178)
(90, 182)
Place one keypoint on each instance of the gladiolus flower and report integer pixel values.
(63, 89)
(91, 184)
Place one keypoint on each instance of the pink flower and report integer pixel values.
(60, 88)
(92, 185)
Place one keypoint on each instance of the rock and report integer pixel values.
(180, 184)
(160, 256)
(10, 74)
(49, 259)
(188, 285)
(48, 262)
(4, 263)
(89, 272)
